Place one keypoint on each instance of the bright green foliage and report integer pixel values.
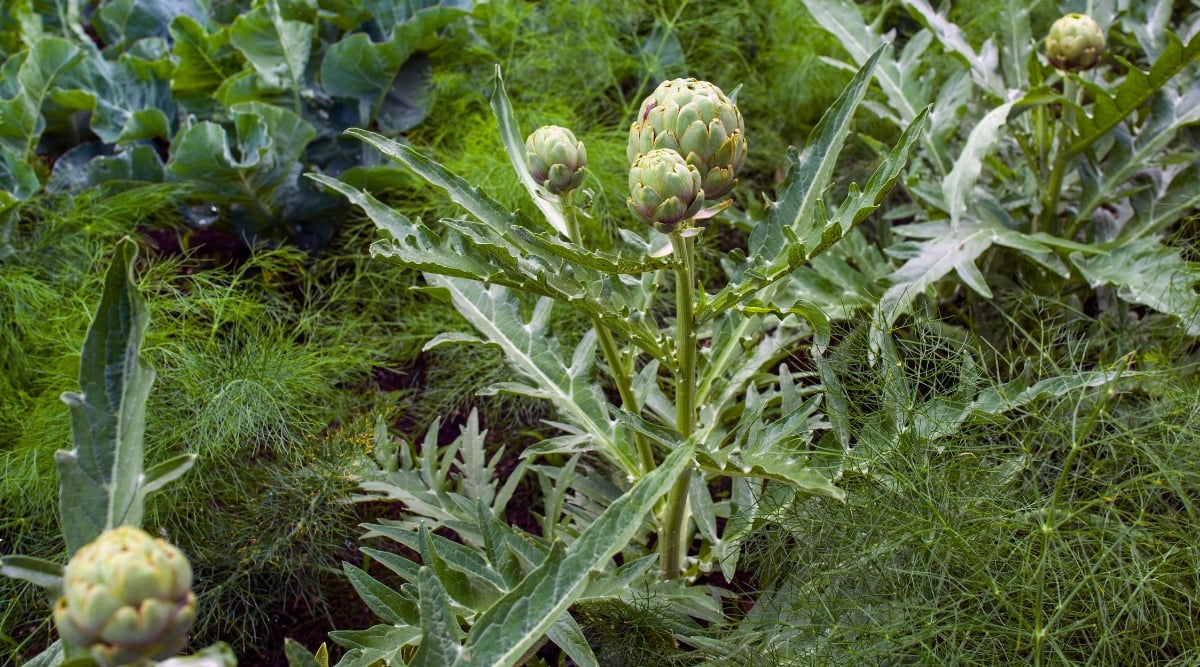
(170, 72)
(127, 597)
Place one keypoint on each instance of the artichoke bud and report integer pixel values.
(556, 159)
(697, 120)
(1075, 43)
(127, 597)
(664, 189)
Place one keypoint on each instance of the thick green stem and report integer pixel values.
(622, 373)
(1062, 153)
(672, 531)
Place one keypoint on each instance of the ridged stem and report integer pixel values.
(621, 372)
(671, 536)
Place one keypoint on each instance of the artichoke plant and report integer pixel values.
(1075, 43)
(127, 597)
(697, 120)
(664, 189)
(555, 158)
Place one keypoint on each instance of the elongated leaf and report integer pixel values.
(567, 635)
(1147, 272)
(959, 184)
(37, 571)
(510, 627)
(842, 19)
(166, 472)
(484, 208)
(412, 243)
(100, 478)
(1133, 152)
(811, 171)
(439, 628)
(379, 645)
(1110, 109)
(514, 145)
(755, 274)
(387, 604)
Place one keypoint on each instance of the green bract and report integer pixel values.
(1075, 43)
(664, 189)
(127, 597)
(556, 159)
(697, 120)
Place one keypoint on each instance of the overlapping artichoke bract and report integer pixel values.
(664, 189)
(698, 121)
(127, 597)
(1075, 43)
(556, 159)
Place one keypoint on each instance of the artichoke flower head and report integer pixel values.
(127, 597)
(664, 189)
(698, 121)
(556, 159)
(1074, 43)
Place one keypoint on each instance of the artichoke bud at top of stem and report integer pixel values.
(127, 598)
(1074, 43)
(664, 189)
(698, 121)
(556, 159)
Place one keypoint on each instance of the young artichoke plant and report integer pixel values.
(698, 121)
(127, 598)
(556, 159)
(1074, 43)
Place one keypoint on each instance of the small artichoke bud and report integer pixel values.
(127, 597)
(1075, 43)
(664, 189)
(555, 158)
(697, 120)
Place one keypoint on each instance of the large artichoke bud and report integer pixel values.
(697, 120)
(1075, 43)
(127, 597)
(664, 189)
(555, 158)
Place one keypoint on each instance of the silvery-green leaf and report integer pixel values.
(510, 627)
(1147, 272)
(101, 476)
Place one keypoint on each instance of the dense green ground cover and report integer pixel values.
(1026, 461)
